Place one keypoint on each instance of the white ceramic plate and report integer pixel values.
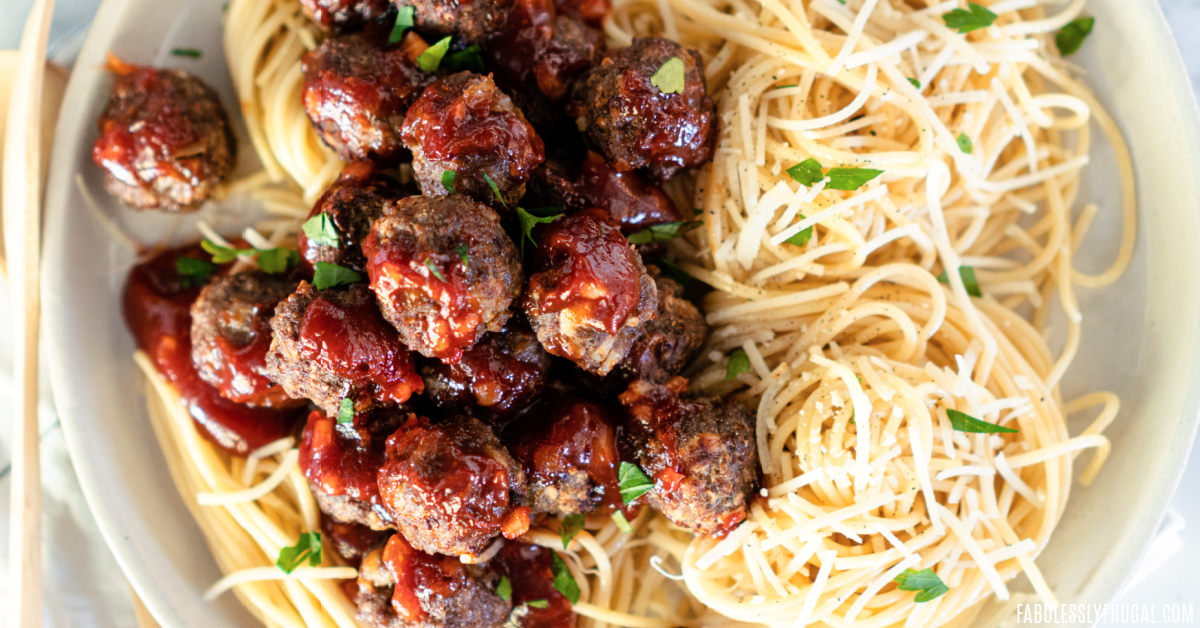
(1140, 335)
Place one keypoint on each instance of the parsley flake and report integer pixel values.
(669, 78)
(570, 526)
(434, 269)
(676, 273)
(928, 583)
(222, 254)
(1071, 37)
(346, 411)
(190, 53)
(850, 179)
(193, 272)
(563, 580)
(968, 278)
(504, 589)
(331, 276)
(964, 143)
(739, 363)
(432, 57)
(538, 603)
(633, 482)
(469, 58)
(274, 261)
(308, 547)
(320, 230)
(664, 232)
(448, 181)
(974, 17)
(618, 518)
(530, 220)
(802, 238)
(806, 173)
(915, 83)
(495, 189)
(404, 21)
(464, 252)
(962, 422)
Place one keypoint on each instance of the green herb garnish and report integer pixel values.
(968, 278)
(448, 181)
(618, 518)
(222, 254)
(739, 363)
(928, 583)
(331, 276)
(529, 221)
(915, 83)
(801, 238)
(964, 143)
(806, 173)
(432, 57)
(191, 53)
(1071, 37)
(850, 179)
(664, 232)
(974, 17)
(346, 411)
(469, 58)
(570, 526)
(495, 189)
(962, 422)
(320, 230)
(309, 546)
(193, 272)
(272, 261)
(434, 269)
(537, 604)
(464, 254)
(404, 21)
(504, 589)
(669, 79)
(563, 580)
(676, 273)
(633, 482)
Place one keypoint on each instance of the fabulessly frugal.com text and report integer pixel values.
(1123, 614)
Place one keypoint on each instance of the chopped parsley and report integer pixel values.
(273, 261)
(662, 233)
(964, 143)
(633, 482)
(495, 189)
(1071, 37)
(190, 53)
(618, 518)
(404, 21)
(915, 83)
(309, 546)
(469, 58)
(432, 57)
(320, 230)
(968, 278)
(669, 79)
(464, 253)
(331, 276)
(222, 254)
(974, 17)
(806, 173)
(802, 238)
(850, 179)
(504, 589)
(929, 585)
(962, 422)
(433, 269)
(563, 580)
(448, 181)
(346, 411)
(538, 603)
(530, 220)
(676, 273)
(193, 272)
(739, 363)
(570, 526)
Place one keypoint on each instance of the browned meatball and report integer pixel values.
(589, 296)
(231, 333)
(342, 462)
(345, 14)
(699, 451)
(402, 587)
(333, 344)
(672, 339)
(569, 454)
(451, 487)
(353, 202)
(497, 378)
(632, 122)
(463, 124)
(471, 20)
(357, 91)
(444, 271)
(352, 541)
(165, 141)
(541, 50)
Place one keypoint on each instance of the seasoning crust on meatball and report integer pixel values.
(165, 140)
(231, 333)
(444, 271)
(632, 122)
(699, 451)
(353, 202)
(589, 296)
(463, 124)
(333, 344)
(672, 340)
(342, 15)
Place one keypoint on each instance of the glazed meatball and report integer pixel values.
(494, 380)
(165, 141)
(352, 541)
(699, 451)
(451, 487)
(629, 198)
(538, 49)
(341, 15)
(402, 587)
(569, 455)
(471, 20)
(530, 571)
(357, 91)
(353, 202)
(462, 123)
(231, 333)
(632, 122)
(331, 345)
(589, 296)
(444, 271)
(672, 339)
(342, 462)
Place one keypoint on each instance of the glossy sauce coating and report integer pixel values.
(341, 461)
(157, 310)
(344, 14)
(420, 575)
(352, 203)
(539, 49)
(528, 568)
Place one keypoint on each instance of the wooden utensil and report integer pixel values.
(22, 214)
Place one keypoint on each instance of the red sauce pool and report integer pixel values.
(156, 304)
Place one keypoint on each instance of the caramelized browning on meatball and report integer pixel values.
(451, 487)
(231, 333)
(463, 124)
(165, 141)
(342, 462)
(402, 587)
(541, 50)
(333, 344)
(589, 296)
(569, 454)
(494, 380)
(672, 339)
(699, 451)
(353, 202)
(357, 91)
(353, 541)
(345, 14)
(444, 270)
(631, 200)
(632, 122)
(471, 20)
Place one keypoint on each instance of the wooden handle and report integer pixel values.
(22, 213)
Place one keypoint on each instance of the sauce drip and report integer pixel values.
(420, 576)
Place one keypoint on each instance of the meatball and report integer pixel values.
(402, 587)
(633, 123)
(530, 571)
(231, 333)
(352, 541)
(494, 380)
(463, 124)
(540, 50)
(444, 271)
(589, 296)
(331, 345)
(471, 20)
(357, 91)
(165, 141)
(353, 202)
(569, 455)
(672, 339)
(342, 462)
(345, 14)
(451, 487)
(699, 451)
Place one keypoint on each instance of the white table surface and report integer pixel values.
(1176, 580)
